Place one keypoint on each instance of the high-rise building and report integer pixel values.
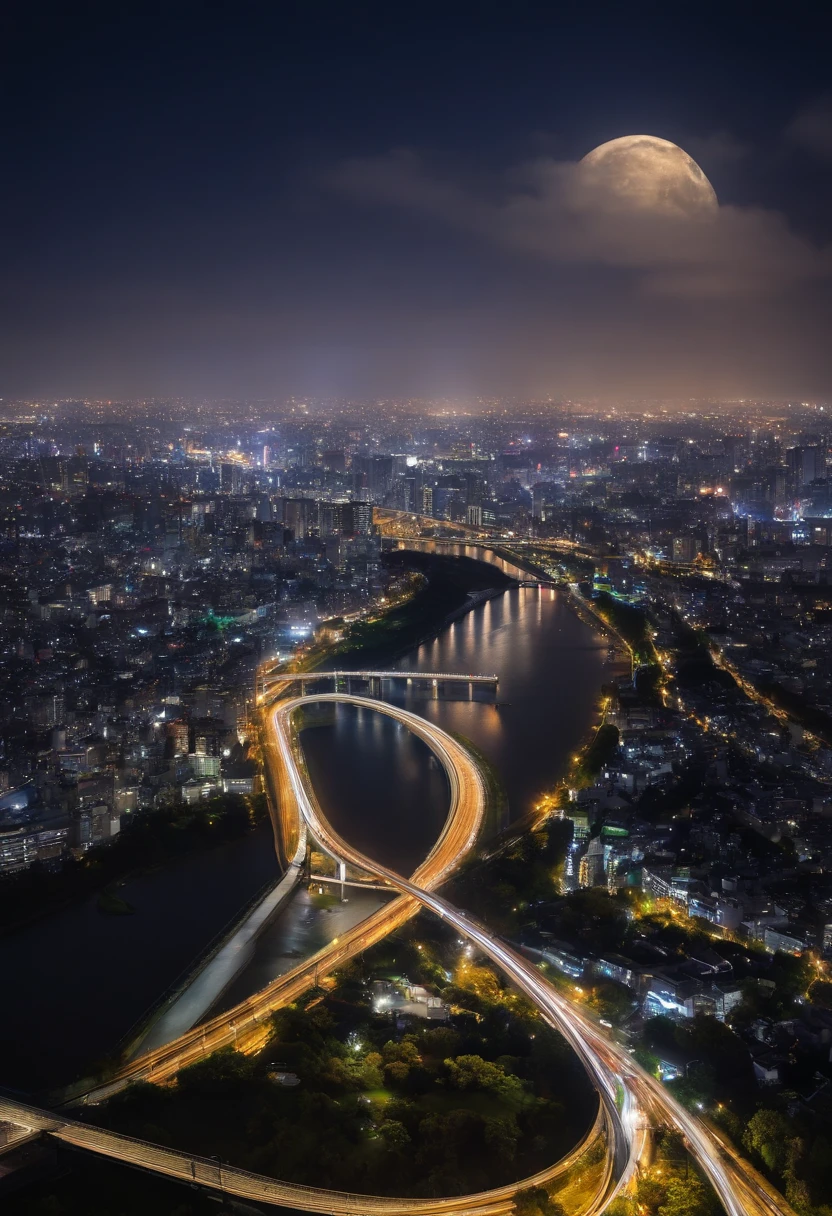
(685, 548)
(231, 478)
(427, 500)
(805, 465)
(592, 870)
(374, 474)
(356, 518)
(178, 732)
(77, 475)
(544, 497)
(329, 518)
(473, 488)
(299, 516)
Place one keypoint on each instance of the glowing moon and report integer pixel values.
(643, 174)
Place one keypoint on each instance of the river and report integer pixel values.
(383, 789)
(76, 982)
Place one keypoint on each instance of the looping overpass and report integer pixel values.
(632, 1101)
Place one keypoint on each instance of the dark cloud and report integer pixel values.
(716, 150)
(556, 212)
(812, 128)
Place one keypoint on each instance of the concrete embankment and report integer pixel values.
(188, 1004)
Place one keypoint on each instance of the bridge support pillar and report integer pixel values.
(342, 874)
(470, 690)
(435, 690)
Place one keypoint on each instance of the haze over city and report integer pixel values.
(343, 204)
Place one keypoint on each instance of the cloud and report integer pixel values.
(554, 211)
(716, 150)
(812, 128)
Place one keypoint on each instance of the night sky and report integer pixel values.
(361, 200)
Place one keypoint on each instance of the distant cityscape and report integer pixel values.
(171, 572)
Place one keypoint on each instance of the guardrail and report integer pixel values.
(217, 1175)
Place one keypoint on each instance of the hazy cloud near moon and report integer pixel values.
(542, 209)
(812, 128)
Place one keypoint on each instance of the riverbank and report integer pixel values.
(189, 1001)
(550, 667)
(454, 585)
(496, 799)
(147, 841)
(58, 1017)
(212, 974)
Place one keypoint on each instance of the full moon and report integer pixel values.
(645, 174)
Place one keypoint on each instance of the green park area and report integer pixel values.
(383, 1105)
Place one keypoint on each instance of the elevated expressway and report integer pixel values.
(631, 1100)
(406, 524)
(247, 1025)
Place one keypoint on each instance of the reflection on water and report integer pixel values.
(75, 983)
(382, 788)
(550, 665)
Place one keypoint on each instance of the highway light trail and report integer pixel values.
(609, 1064)
(631, 1099)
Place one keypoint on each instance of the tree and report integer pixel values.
(611, 1001)
(650, 1193)
(797, 1193)
(648, 1060)
(792, 974)
(371, 1071)
(222, 1073)
(397, 1072)
(473, 1072)
(688, 1197)
(536, 1201)
(440, 1042)
(394, 1134)
(593, 915)
(501, 1136)
(767, 1134)
(406, 1051)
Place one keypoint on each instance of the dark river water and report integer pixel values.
(73, 984)
(383, 789)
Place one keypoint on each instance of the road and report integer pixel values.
(248, 1023)
(631, 1100)
(614, 1071)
